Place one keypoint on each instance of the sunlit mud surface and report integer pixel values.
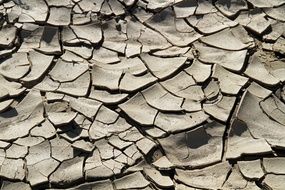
(142, 94)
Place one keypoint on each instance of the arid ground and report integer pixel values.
(142, 94)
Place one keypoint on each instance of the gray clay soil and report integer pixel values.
(142, 94)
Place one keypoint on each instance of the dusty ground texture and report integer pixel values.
(142, 94)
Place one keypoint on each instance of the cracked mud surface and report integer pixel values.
(142, 94)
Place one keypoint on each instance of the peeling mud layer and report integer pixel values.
(142, 94)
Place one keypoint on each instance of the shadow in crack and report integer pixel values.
(238, 127)
(197, 138)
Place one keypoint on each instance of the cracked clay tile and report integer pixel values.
(61, 118)
(104, 55)
(276, 12)
(264, 4)
(91, 32)
(69, 171)
(172, 123)
(275, 182)
(230, 8)
(90, 5)
(160, 180)
(131, 83)
(212, 177)
(16, 151)
(39, 65)
(274, 165)
(254, 20)
(83, 145)
(205, 7)
(7, 36)
(46, 130)
(107, 98)
(164, 22)
(133, 109)
(156, 4)
(13, 169)
(240, 142)
(185, 8)
(172, 51)
(72, 71)
(145, 145)
(274, 108)
(236, 181)
(10, 88)
(233, 60)
(199, 71)
(229, 82)
(131, 181)
(39, 172)
(59, 16)
(33, 10)
(257, 121)
(224, 39)
(4, 105)
(221, 109)
(258, 90)
(15, 67)
(78, 87)
(251, 169)
(163, 163)
(210, 23)
(82, 51)
(161, 99)
(278, 46)
(61, 149)
(98, 185)
(258, 71)
(87, 107)
(29, 141)
(28, 117)
(99, 130)
(198, 147)
(7, 185)
(163, 67)
(178, 83)
(50, 41)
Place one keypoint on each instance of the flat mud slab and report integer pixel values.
(142, 94)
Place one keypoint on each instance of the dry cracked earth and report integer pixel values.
(142, 94)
